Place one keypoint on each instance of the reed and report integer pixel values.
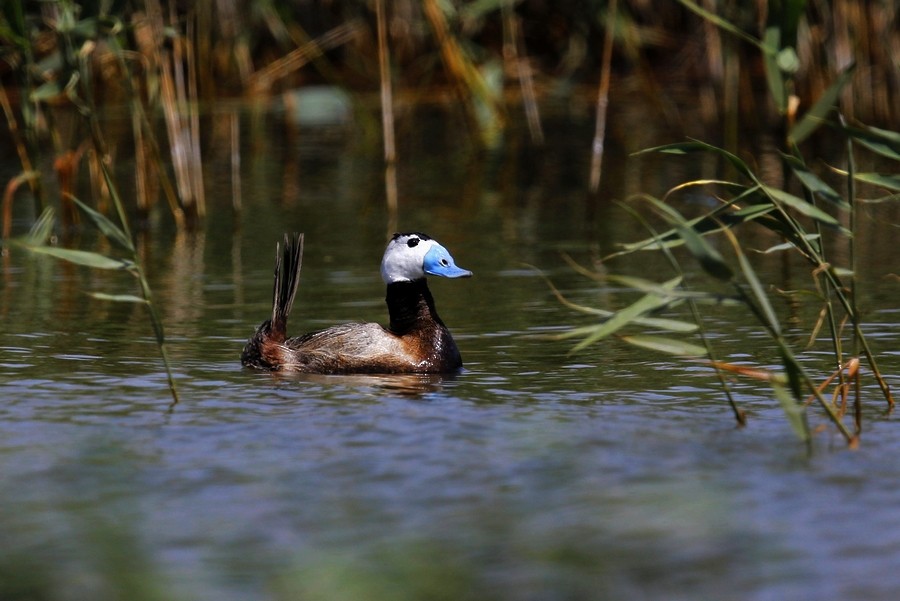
(387, 119)
(177, 72)
(799, 221)
(602, 100)
(78, 71)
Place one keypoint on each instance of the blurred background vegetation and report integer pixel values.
(64, 65)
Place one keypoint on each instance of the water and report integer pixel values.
(534, 474)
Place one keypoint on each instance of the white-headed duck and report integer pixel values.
(416, 341)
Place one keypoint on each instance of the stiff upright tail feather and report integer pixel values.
(288, 260)
(265, 350)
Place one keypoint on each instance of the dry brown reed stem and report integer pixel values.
(177, 93)
(236, 202)
(603, 99)
(66, 168)
(8, 195)
(263, 79)
(13, 124)
(193, 106)
(387, 116)
(468, 79)
(513, 43)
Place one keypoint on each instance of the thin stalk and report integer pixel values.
(851, 200)
(826, 293)
(603, 98)
(469, 81)
(739, 414)
(90, 114)
(512, 40)
(387, 115)
(774, 330)
(13, 124)
(837, 288)
(193, 107)
(236, 201)
(854, 266)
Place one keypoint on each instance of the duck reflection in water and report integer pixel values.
(415, 342)
(409, 386)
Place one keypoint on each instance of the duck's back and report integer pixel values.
(370, 348)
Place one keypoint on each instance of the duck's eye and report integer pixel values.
(444, 262)
(412, 242)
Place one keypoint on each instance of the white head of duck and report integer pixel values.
(412, 256)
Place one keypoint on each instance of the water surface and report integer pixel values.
(533, 474)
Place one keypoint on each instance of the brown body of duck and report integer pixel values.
(415, 341)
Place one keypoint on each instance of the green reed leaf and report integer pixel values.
(800, 205)
(759, 293)
(670, 346)
(118, 298)
(109, 229)
(880, 141)
(672, 325)
(698, 146)
(708, 257)
(722, 217)
(663, 323)
(789, 245)
(891, 182)
(793, 410)
(816, 115)
(814, 184)
(82, 257)
(624, 317)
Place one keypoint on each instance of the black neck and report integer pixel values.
(410, 305)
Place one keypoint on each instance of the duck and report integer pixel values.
(415, 341)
